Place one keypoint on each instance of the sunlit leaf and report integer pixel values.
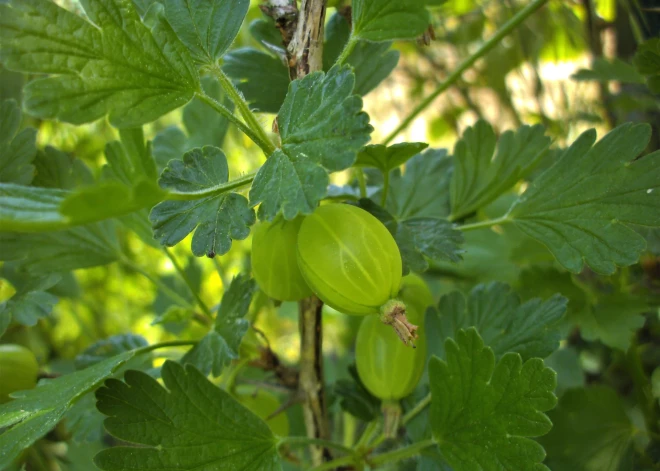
(110, 64)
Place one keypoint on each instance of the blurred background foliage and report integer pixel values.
(567, 67)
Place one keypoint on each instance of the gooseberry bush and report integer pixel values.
(478, 283)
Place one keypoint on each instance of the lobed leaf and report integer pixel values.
(582, 206)
(30, 303)
(530, 329)
(206, 27)
(387, 20)
(647, 61)
(112, 64)
(219, 217)
(17, 148)
(386, 158)
(481, 175)
(483, 413)
(591, 432)
(35, 412)
(220, 346)
(187, 424)
(322, 127)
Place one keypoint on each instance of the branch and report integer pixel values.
(305, 53)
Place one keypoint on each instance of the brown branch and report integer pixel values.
(311, 381)
(306, 47)
(305, 55)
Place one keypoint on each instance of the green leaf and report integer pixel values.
(482, 413)
(107, 348)
(29, 209)
(419, 238)
(129, 181)
(423, 189)
(203, 127)
(35, 412)
(386, 158)
(219, 217)
(57, 252)
(611, 314)
(603, 70)
(30, 303)
(647, 61)
(387, 20)
(288, 185)
(566, 363)
(581, 207)
(261, 78)
(189, 424)
(322, 127)
(613, 320)
(84, 422)
(17, 149)
(220, 346)
(56, 169)
(591, 431)
(206, 27)
(323, 120)
(481, 174)
(115, 65)
(530, 329)
(371, 62)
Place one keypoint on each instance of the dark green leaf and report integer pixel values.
(371, 62)
(109, 347)
(30, 303)
(611, 315)
(530, 329)
(115, 65)
(386, 158)
(204, 125)
(56, 169)
(355, 398)
(566, 363)
(288, 185)
(581, 207)
(322, 127)
(479, 177)
(206, 27)
(647, 61)
(483, 412)
(322, 119)
(219, 217)
(17, 149)
(35, 412)
(220, 346)
(261, 78)
(591, 431)
(386, 20)
(423, 189)
(191, 425)
(604, 70)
